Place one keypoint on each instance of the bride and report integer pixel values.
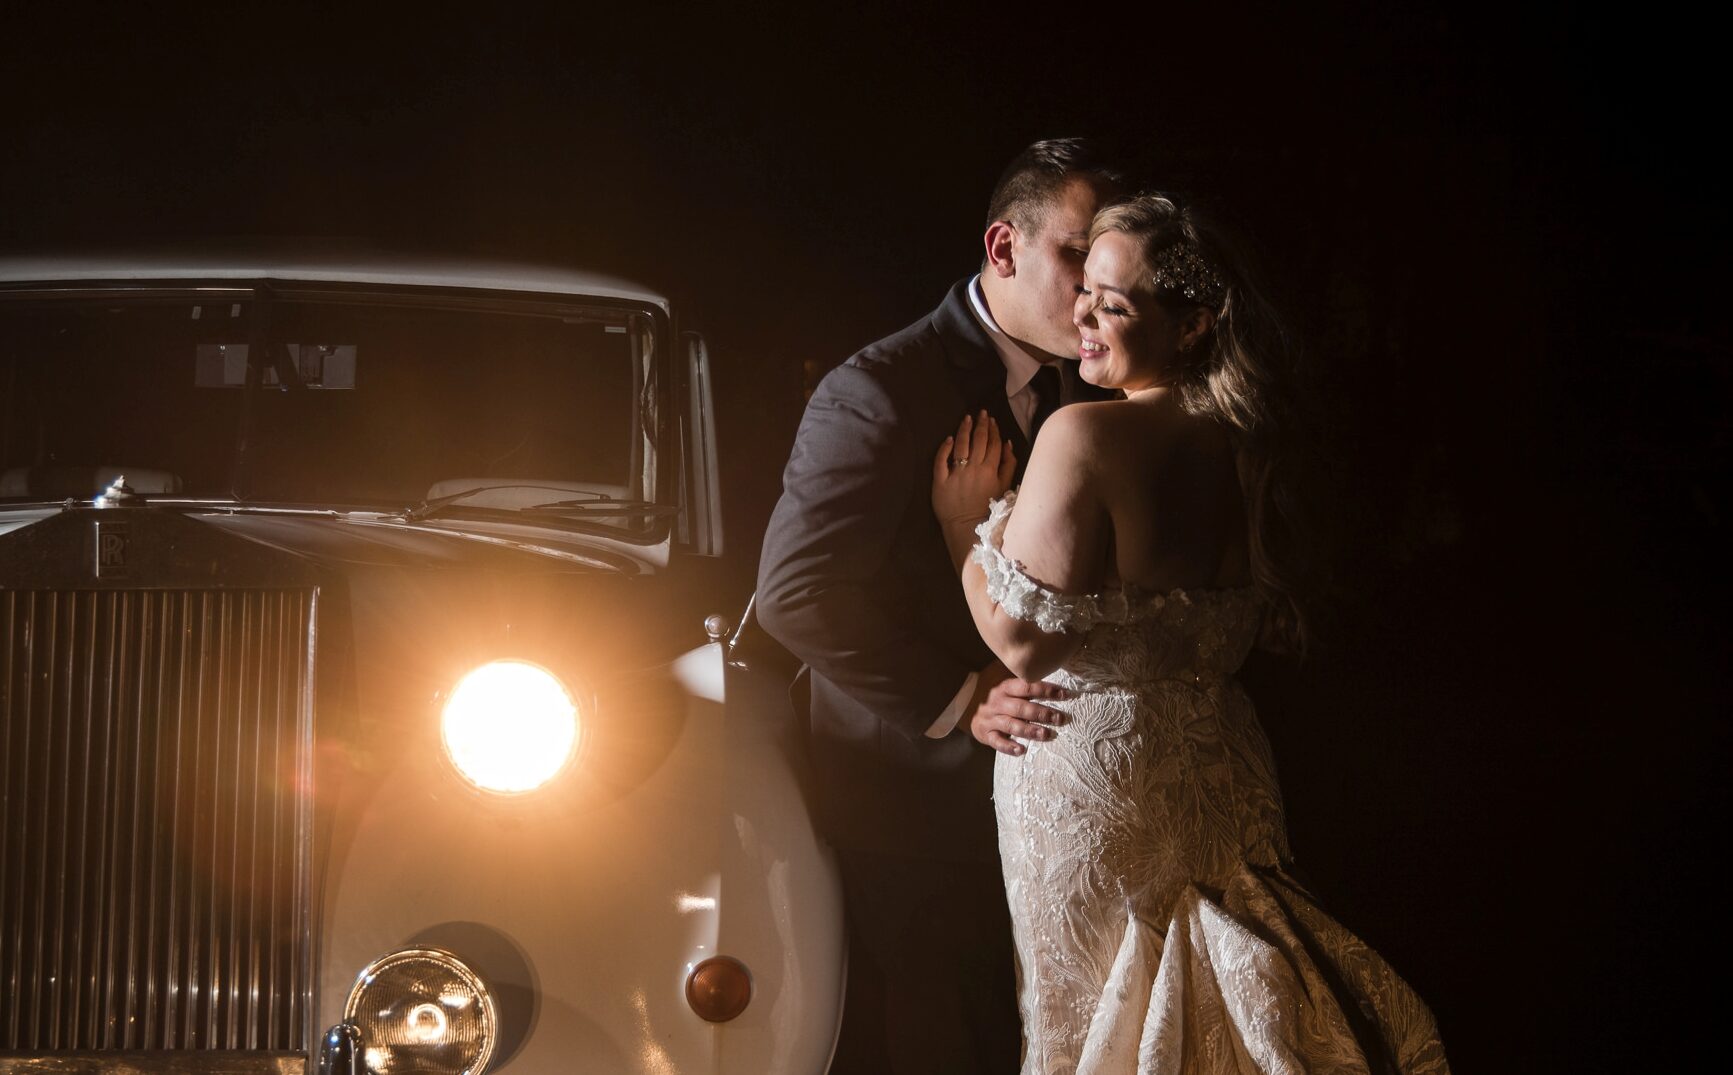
(1143, 843)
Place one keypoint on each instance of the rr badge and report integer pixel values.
(111, 549)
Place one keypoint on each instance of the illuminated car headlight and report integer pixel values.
(509, 726)
(422, 1010)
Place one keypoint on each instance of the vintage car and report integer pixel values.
(356, 713)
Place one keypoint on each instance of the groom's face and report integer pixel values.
(1049, 269)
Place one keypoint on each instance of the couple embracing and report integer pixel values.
(1022, 548)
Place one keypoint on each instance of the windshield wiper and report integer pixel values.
(605, 506)
(586, 504)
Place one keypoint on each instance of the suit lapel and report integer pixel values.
(980, 372)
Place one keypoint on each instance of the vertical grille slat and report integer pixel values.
(189, 822)
(93, 857)
(120, 800)
(206, 803)
(249, 933)
(170, 679)
(171, 874)
(274, 860)
(83, 960)
(23, 683)
(154, 867)
(12, 791)
(300, 813)
(7, 868)
(117, 1032)
(86, 809)
(41, 984)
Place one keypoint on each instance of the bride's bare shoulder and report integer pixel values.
(1074, 436)
(1098, 428)
(1094, 419)
(1130, 446)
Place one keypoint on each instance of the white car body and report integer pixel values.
(679, 831)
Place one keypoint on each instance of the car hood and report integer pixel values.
(342, 539)
(417, 601)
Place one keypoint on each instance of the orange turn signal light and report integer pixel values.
(719, 988)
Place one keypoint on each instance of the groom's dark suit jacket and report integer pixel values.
(856, 582)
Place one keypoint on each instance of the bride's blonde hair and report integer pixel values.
(1239, 373)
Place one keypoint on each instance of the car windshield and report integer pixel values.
(392, 401)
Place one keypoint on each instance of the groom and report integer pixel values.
(855, 581)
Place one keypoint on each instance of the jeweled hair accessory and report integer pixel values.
(1181, 268)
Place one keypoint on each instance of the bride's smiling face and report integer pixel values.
(1131, 340)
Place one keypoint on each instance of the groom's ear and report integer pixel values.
(1001, 251)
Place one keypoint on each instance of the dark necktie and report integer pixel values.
(1045, 385)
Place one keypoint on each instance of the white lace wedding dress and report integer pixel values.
(1143, 849)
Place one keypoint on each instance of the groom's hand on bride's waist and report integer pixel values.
(1005, 709)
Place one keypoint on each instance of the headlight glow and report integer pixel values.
(509, 726)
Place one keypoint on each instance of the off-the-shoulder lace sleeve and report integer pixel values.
(1021, 597)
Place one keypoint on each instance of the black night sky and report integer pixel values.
(1499, 232)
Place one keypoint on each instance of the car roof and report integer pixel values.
(311, 263)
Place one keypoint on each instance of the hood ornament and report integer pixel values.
(118, 494)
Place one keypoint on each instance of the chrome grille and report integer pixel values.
(154, 872)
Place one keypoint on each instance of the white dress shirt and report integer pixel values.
(1020, 369)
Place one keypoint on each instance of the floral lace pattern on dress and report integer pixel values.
(1020, 596)
(1144, 850)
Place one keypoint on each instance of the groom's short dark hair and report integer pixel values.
(1032, 182)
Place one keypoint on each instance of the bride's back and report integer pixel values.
(1171, 490)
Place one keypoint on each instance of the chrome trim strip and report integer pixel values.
(342, 1052)
(180, 1062)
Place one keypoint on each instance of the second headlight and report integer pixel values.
(510, 726)
(423, 1011)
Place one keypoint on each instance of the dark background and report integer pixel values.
(1498, 232)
